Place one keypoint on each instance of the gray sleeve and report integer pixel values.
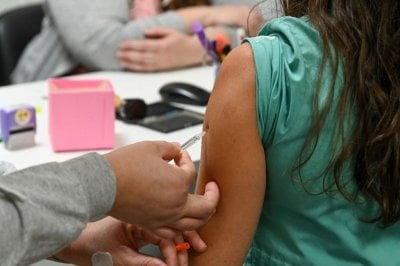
(92, 30)
(45, 207)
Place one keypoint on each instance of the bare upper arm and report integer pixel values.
(233, 156)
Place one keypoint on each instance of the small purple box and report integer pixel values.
(18, 126)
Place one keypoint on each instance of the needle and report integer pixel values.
(192, 140)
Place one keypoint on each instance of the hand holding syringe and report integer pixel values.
(185, 146)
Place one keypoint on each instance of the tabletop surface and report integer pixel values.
(125, 85)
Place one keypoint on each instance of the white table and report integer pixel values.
(126, 85)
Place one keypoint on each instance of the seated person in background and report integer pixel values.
(308, 158)
(84, 33)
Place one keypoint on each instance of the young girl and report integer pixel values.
(308, 157)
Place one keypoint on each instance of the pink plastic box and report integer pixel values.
(81, 114)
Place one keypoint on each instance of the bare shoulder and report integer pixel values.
(234, 92)
(240, 60)
(236, 77)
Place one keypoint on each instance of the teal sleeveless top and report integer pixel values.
(299, 225)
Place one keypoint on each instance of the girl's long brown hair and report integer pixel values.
(366, 36)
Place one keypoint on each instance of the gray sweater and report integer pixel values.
(45, 207)
(89, 31)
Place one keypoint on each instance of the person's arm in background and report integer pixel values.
(43, 208)
(233, 156)
(92, 31)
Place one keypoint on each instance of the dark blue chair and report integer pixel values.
(17, 27)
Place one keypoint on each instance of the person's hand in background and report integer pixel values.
(163, 49)
(156, 194)
(123, 241)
